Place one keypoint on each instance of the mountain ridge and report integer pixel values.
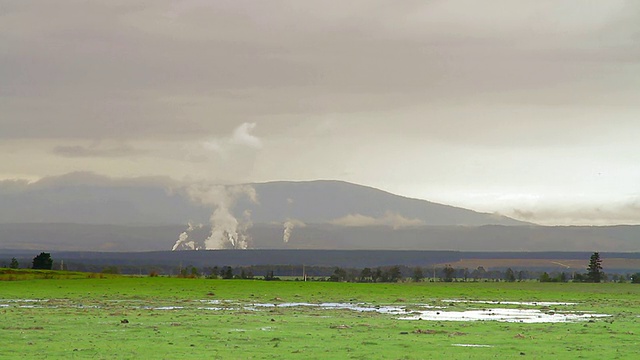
(88, 198)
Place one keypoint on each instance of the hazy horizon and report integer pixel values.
(529, 109)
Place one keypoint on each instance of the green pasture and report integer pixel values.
(83, 316)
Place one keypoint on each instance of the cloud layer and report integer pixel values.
(443, 100)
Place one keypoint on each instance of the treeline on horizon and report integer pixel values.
(383, 274)
(393, 273)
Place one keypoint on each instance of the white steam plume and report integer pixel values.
(289, 225)
(226, 231)
(184, 243)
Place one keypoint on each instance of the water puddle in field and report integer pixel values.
(168, 308)
(522, 303)
(503, 315)
(472, 345)
(406, 312)
(22, 303)
(337, 306)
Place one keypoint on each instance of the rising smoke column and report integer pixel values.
(184, 242)
(226, 231)
(243, 228)
(289, 225)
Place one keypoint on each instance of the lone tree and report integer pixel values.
(594, 271)
(14, 264)
(42, 261)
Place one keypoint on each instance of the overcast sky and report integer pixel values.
(527, 108)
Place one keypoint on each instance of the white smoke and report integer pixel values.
(226, 231)
(184, 242)
(289, 225)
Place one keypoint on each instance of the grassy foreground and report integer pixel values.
(170, 318)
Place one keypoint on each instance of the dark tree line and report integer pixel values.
(395, 273)
(42, 261)
(399, 273)
(387, 274)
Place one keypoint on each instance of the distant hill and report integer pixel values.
(86, 198)
(343, 203)
(88, 212)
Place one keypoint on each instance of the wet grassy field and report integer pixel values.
(80, 316)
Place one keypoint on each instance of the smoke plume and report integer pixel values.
(289, 225)
(184, 242)
(227, 232)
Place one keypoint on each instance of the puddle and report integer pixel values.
(523, 303)
(166, 308)
(404, 312)
(338, 306)
(503, 315)
(472, 345)
(212, 302)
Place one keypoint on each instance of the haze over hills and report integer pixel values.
(85, 198)
(88, 212)
(347, 204)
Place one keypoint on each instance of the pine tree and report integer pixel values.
(42, 261)
(14, 264)
(594, 271)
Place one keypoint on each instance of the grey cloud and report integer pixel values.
(432, 96)
(162, 69)
(86, 178)
(96, 151)
(586, 214)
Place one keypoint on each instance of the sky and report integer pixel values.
(530, 109)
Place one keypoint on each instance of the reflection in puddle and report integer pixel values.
(503, 315)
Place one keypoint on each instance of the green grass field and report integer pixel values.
(80, 316)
